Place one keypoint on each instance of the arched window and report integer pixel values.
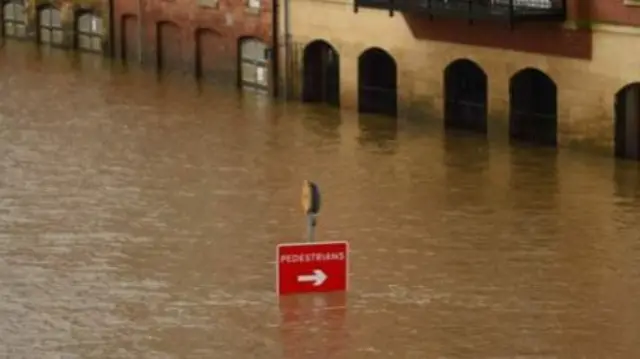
(50, 26)
(14, 19)
(254, 64)
(89, 32)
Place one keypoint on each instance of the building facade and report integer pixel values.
(82, 25)
(543, 71)
(224, 41)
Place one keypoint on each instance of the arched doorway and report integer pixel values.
(377, 83)
(129, 38)
(89, 32)
(254, 65)
(465, 100)
(627, 122)
(321, 74)
(14, 19)
(533, 108)
(169, 47)
(50, 26)
(206, 43)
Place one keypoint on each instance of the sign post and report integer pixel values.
(311, 267)
(310, 206)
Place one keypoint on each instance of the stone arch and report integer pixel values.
(207, 41)
(465, 96)
(129, 41)
(14, 19)
(533, 107)
(49, 23)
(321, 73)
(89, 31)
(627, 122)
(168, 47)
(377, 82)
(253, 64)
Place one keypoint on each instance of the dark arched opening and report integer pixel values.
(533, 108)
(627, 122)
(377, 83)
(206, 41)
(465, 101)
(321, 70)
(169, 47)
(129, 38)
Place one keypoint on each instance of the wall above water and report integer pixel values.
(191, 36)
(587, 66)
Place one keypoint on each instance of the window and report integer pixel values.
(530, 4)
(253, 4)
(50, 26)
(254, 63)
(89, 32)
(208, 3)
(15, 19)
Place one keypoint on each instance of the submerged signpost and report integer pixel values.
(311, 267)
(311, 206)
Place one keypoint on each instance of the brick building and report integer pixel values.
(82, 25)
(542, 71)
(225, 41)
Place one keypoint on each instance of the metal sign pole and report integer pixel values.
(311, 226)
(311, 206)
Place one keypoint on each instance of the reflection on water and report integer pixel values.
(139, 220)
(378, 132)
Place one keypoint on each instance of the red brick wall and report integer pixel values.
(615, 11)
(550, 38)
(217, 29)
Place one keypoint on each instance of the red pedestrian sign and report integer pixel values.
(312, 267)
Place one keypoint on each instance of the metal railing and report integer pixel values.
(471, 7)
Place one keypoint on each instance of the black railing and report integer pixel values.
(473, 9)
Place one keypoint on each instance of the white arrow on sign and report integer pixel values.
(318, 277)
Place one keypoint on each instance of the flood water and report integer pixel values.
(140, 219)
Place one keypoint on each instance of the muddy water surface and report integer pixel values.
(140, 218)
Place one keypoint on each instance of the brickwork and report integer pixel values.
(586, 84)
(190, 34)
(622, 12)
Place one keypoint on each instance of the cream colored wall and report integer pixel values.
(585, 88)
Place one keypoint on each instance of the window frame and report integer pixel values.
(91, 35)
(49, 27)
(15, 23)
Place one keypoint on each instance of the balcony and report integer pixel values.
(511, 10)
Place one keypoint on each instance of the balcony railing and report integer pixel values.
(474, 9)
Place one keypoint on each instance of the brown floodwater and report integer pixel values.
(140, 218)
